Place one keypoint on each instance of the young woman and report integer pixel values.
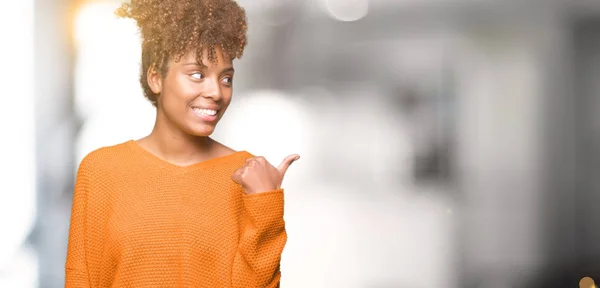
(177, 208)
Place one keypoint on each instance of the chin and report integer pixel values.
(201, 130)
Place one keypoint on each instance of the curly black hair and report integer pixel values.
(172, 28)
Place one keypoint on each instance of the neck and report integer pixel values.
(174, 145)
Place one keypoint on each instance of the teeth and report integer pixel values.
(208, 112)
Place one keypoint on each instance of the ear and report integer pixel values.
(154, 80)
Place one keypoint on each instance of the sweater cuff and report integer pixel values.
(264, 208)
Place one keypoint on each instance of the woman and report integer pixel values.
(177, 208)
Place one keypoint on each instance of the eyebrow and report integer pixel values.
(228, 69)
(192, 63)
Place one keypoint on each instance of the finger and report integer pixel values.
(285, 164)
(237, 176)
(249, 159)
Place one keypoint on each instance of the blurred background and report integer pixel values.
(444, 143)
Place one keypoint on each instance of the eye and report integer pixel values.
(197, 76)
(228, 80)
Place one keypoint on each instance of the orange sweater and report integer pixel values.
(140, 221)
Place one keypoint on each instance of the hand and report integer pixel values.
(258, 176)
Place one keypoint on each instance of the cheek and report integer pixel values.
(227, 96)
(189, 90)
(179, 89)
(177, 102)
(226, 100)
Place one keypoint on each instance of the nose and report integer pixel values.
(212, 89)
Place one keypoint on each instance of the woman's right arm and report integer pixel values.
(76, 270)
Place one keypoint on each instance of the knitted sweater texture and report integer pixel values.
(140, 221)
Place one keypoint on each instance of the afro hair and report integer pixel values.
(171, 28)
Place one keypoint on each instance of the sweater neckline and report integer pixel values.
(168, 165)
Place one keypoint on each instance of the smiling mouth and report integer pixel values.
(205, 112)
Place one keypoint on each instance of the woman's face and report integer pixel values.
(193, 97)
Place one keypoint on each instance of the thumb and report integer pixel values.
(237, 177)
(287, 162)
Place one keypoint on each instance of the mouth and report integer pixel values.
(207, 115)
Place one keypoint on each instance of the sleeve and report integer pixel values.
(76, 271)
(262, 239)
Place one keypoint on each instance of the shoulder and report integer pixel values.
(103, 158)
(229, 157)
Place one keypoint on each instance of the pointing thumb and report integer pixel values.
(285, 164)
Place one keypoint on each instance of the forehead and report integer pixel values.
(219, 60)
